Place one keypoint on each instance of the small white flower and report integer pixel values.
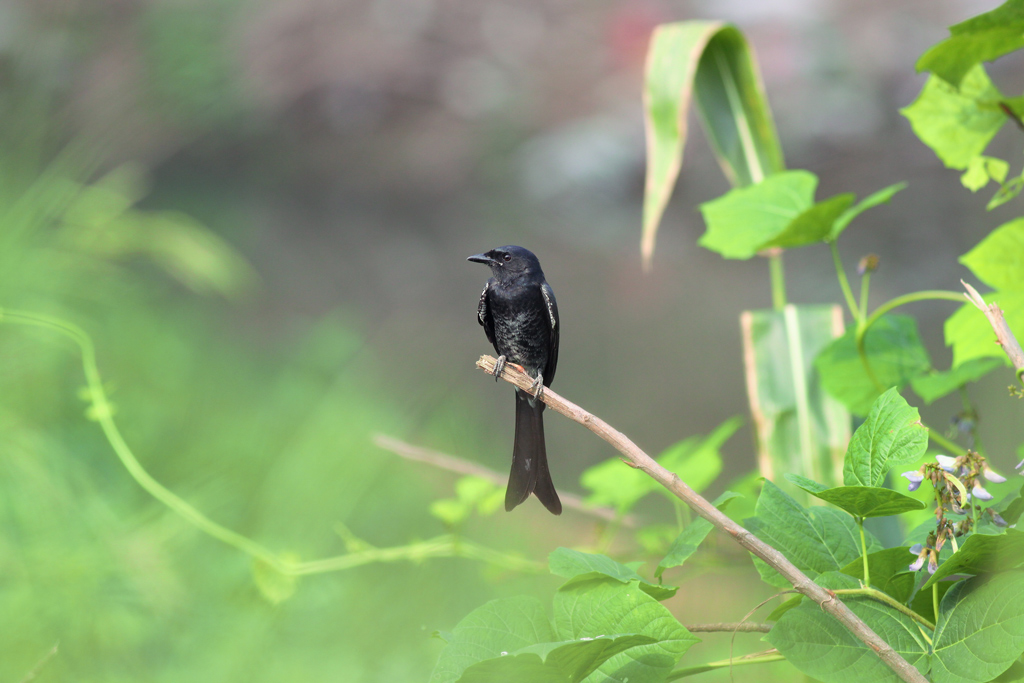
(915, 478)
(916, 549)
(993, 476)
(933, 564)
(946, 462)
(980, 493)
(917, 564)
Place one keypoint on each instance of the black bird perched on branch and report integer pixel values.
(518, 312)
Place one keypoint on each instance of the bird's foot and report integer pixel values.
(499, 365)
(537, 388)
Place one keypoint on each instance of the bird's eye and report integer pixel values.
(507, 257)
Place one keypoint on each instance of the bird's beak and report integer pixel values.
(482, 258)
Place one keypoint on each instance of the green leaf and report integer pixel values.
(957, 123)
(981, 169)
(816, 539)
(970, 334)
(935, 385)
(559, 662)
(711, 60)
(979, 39)
(892, 434)
(860, 501)
(579, 566)
(777, 613)
(601, 606)
(980, 630)
(983, 553)
(872, 200)
(813, 225)
(895, 355)
(742, 220)
(503, 625)
(689, 540)
(1008, 191)
(888, 571)
(998, 260)
(819, 646)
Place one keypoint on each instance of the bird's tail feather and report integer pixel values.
(530, 472)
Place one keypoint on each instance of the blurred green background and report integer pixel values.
(260, 211)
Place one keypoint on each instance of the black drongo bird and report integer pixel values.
(518, 312)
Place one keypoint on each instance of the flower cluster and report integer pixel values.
(958, 485)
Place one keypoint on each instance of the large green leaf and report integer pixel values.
(983, 553)
(743, 220)
(980, 629)
(712, 61)
(817, 644)
(979, 39)
(892, 434)
(561, 662)
(935, 385)
(970, 334)
(998, 260)
(500, 626)
(859, 501)
(816, 540)
(799, 427)
(957, 123)
(894, 353)
(691, 537)
(579, 566)
(601, 606)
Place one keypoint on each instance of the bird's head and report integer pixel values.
(509, 263)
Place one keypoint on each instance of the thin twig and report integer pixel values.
(1004, 335)
(460, 466)
(730, 627)
(40, 664)
(705, 509)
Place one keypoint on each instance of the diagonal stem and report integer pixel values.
(671, 481)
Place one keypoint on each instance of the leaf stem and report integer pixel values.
(935, 600)
(759, 658)
(844, 282)
(778, 278)
(939, 438)
(865, 287)
(864, 550)
(876, 594)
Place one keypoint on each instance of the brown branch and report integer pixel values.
(733, 627)
(640, 460)
(1004, 336)
(465, 467)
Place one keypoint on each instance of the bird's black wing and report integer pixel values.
(483, 313)
(552, 306)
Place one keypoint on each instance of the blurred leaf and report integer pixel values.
(691, 537)
(274, 586)
(602, 606)
(743, 220)
(980, 629)
(712, 61)
(1008, 191)
(970, 334)
(500, 626)
(799, 427)
(892, 434)
(885, 565)
(979, 39)
(957, 123)
(998, 260)
(819, 646)
(816, 540)
(859, 501)
(561, 662)
(981, 169)
(981, 554)
(787, 605)
(584, 567)
(696, 461)
(935, 385)
(814, 224)
(872, 200)
(895, 355)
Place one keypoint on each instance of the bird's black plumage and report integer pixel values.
(520, 317)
